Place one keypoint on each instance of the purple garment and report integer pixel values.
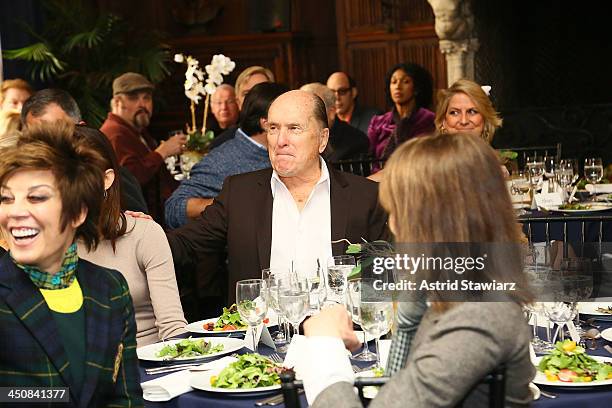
(382, 128)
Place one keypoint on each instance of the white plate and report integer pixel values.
(198, 327)
(590, 308)
(149, 353)
(607, 334)
(594, 208)
(201, 381)
(540, 377)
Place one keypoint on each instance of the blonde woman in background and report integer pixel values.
(9, 122)
(466, 108)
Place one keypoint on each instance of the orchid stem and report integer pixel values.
(193, 118)
(206, 103)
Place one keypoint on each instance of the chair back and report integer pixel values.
(496, 380)
(568, 228)
(359, 167)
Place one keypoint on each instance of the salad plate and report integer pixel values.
(607, 334)
(591, 208)
(218, 346)
(568, 365)
(593, 309)
(241, 373)
(228, 322)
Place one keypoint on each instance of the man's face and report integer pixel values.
(14, 99)
(250, 83)
(295, 138)
(51, 114)
(135, 108)
(224, 107)
(345, 95)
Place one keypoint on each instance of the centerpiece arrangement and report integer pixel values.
(200, 85)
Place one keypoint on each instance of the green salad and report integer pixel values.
(189, 348)
(574, 207)
(249, 371)
(569, 363)
(229, 320)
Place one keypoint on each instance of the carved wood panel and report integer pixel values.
(425, 52)
(368, 64)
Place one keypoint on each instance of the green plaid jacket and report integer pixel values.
(31, 351)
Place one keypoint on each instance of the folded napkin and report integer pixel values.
(601, 188)
(172, 385)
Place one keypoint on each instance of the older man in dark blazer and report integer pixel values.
(292, 214)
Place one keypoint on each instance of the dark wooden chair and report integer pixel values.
(362, 167)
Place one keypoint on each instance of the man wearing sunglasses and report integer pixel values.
(347, 108)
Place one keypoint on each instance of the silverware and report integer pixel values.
(276, 358)
(608, 348)
(163, 370)
(547, 394)
(275, 400)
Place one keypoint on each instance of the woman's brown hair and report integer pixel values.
(470, 88)
(112, 222)
(450, 188)
(76, 167)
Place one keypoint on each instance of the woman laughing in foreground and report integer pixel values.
(458, 343)
(64, 322)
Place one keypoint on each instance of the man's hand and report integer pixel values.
(333, 322)
(138, 214)
(173, 146)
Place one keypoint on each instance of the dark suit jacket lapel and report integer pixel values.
(30, 307)
(339, 199)
(264, 223)
(96, 294)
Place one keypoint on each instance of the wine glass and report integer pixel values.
(294, 299)
(271, 277)
(376, 316)
(593, 172)
(316, 287)
(535, 169)
(550, 171)
(577, 278)
(560, 313)
(338, 269)
(565, 177)
(353, 303)
(252, 307)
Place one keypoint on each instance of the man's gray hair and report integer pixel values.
(323, 92)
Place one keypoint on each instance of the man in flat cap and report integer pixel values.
(126, 128)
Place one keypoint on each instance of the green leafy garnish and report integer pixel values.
(574, 207)
(229, 317)
(569, 362)
(249, 371)
(189, 348)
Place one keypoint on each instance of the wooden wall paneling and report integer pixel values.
(364, 15)
(368, 63)
(414, 12)
(425, 52)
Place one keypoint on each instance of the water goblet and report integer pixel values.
(376, 316)
(593, 172)
(338, 269)
(294, 299)
(271, 276)
(353, 303)
(252, 307)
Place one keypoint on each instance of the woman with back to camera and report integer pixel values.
(457, 343)
(64, 321)
(409, 90)
(139, 249)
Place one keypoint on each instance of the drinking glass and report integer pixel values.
(338, 269)
(271, 277)
(577, 280)
(550, 171)
(316, 287)
(535, 169)
(565, 177)
(560, 313)
(252, 307)
(376, 316)
(353, 303)
(294, 299)
(593, 172)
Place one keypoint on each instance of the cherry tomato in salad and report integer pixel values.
(566, 375)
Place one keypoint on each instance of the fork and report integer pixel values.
(276, 358)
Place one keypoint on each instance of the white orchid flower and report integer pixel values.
(223, 64)
(180, 58)
(210, 87)
(193, 95)
(486, 89)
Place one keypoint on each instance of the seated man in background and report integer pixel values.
(345, 141)
(247, 151)
(51, 105)
(126, 128)
(347, 108)
(289, 214)
(13, 93)
(224, 108)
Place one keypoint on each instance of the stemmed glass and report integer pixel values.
(593, 172)
(252, 307)
(316, 287)
(535, 169)
(294, 299)
(376, 316)
(338, 269)
(271, 277)
(550, 171)
(577, 278)
(520, 186)
(353, 303)
(565, 177)
(560, 313)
